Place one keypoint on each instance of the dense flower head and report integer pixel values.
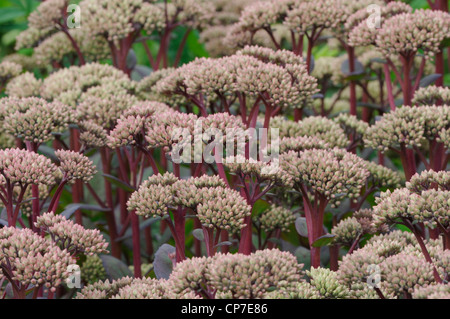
(405, 126)
(240, 276)
(193, 13)
(432, 208)
(362, 31)
(347, 231)
(437, 118)
(263, 171)
(24, 85)
(116, 19)
(146, 89)
(93, 270)
(149, 16)
(127, 131)
(301, 143)
(103, 289)
(221, 129)
(31, 37)
(75, 166)
(189, 191)
(222, 208)
(312, 15)
(402, 273)
(441, 291)
(381, 176)
(261, 14)
(35, 120)
(72, 237)
(393, 206)
(237, 37)
(288, 86)
(105, 111)
(406, 33)
(429, 207)
(154, 196)
(355, 269)
(48, 14)
(9, 70)
(429, 180)
(365, 219)
(267, 55)
(68, 84)
(313, 126)
(280, 83)
(165, 129)
(57, 46)
(327, 283)
(92, 134)
(31, 259)
(444, 138)
(27, 62)
(188, 277)
(431, 95)
(351, 124)
(333, 173)
(146, 109)
(276, 217)
(24, 167)
(145, 288)
(392, 243)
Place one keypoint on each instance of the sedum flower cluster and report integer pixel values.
(332, 173)
(34, 119)
(72, 237)
(223, 276)
(216, 205)
(27, 260)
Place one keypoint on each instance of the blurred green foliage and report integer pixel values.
(13, 20)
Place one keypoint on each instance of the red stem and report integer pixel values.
(136, 244)
(351, 65)
(110, 218)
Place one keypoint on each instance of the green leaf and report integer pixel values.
(259, 207)
(10, 37)
(358, 68)
(275, 240)
(119, 183)
(72, 208)
(303, 256)
(163, 264)
(10, 14)
(323, 240)
(198, 234)
(139, 72)
(48, 152)
(301, 227)
(115, 268)
(429, 79)
(131, 59)
(379, 60)
(224, 243)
